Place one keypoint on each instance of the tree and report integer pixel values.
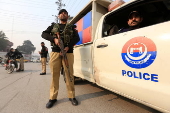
(5, 44)
(2, 34)
(27, 47)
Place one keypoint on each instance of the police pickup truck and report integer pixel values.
(134, 63)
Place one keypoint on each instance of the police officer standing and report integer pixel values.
(70, 37)
(21, 60)
(43, 53)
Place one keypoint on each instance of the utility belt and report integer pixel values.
(54, 45)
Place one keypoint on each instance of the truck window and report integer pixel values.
(153, 12)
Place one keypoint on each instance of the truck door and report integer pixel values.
(135, 63)
(107, 57)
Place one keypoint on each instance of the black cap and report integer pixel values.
(62, 10)
(136, 13)
(42, 42)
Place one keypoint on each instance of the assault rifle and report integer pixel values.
(64, 56)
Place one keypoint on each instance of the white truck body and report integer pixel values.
(134, 64)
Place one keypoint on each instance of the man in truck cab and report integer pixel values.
(134, 20)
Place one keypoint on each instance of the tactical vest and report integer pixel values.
(66, 35)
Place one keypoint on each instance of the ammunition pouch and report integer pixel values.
(66, 34)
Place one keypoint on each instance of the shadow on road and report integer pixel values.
(102, 93)
(85, 96)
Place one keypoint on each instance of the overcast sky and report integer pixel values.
(25, 20)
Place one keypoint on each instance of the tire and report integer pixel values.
(10, 69)
(2, 63)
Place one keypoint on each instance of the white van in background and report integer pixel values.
(36, 60)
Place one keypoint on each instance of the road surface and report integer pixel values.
(28, 92)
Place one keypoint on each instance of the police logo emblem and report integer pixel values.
(139, 52)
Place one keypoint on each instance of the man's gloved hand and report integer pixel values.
(66, 49)
(56, 41)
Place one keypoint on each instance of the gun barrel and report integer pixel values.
(64, 56)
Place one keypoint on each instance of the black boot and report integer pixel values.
(51, 103)
(42, 73)
(73, 101)
(18, 70)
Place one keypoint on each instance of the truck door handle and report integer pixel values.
(103, 45)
